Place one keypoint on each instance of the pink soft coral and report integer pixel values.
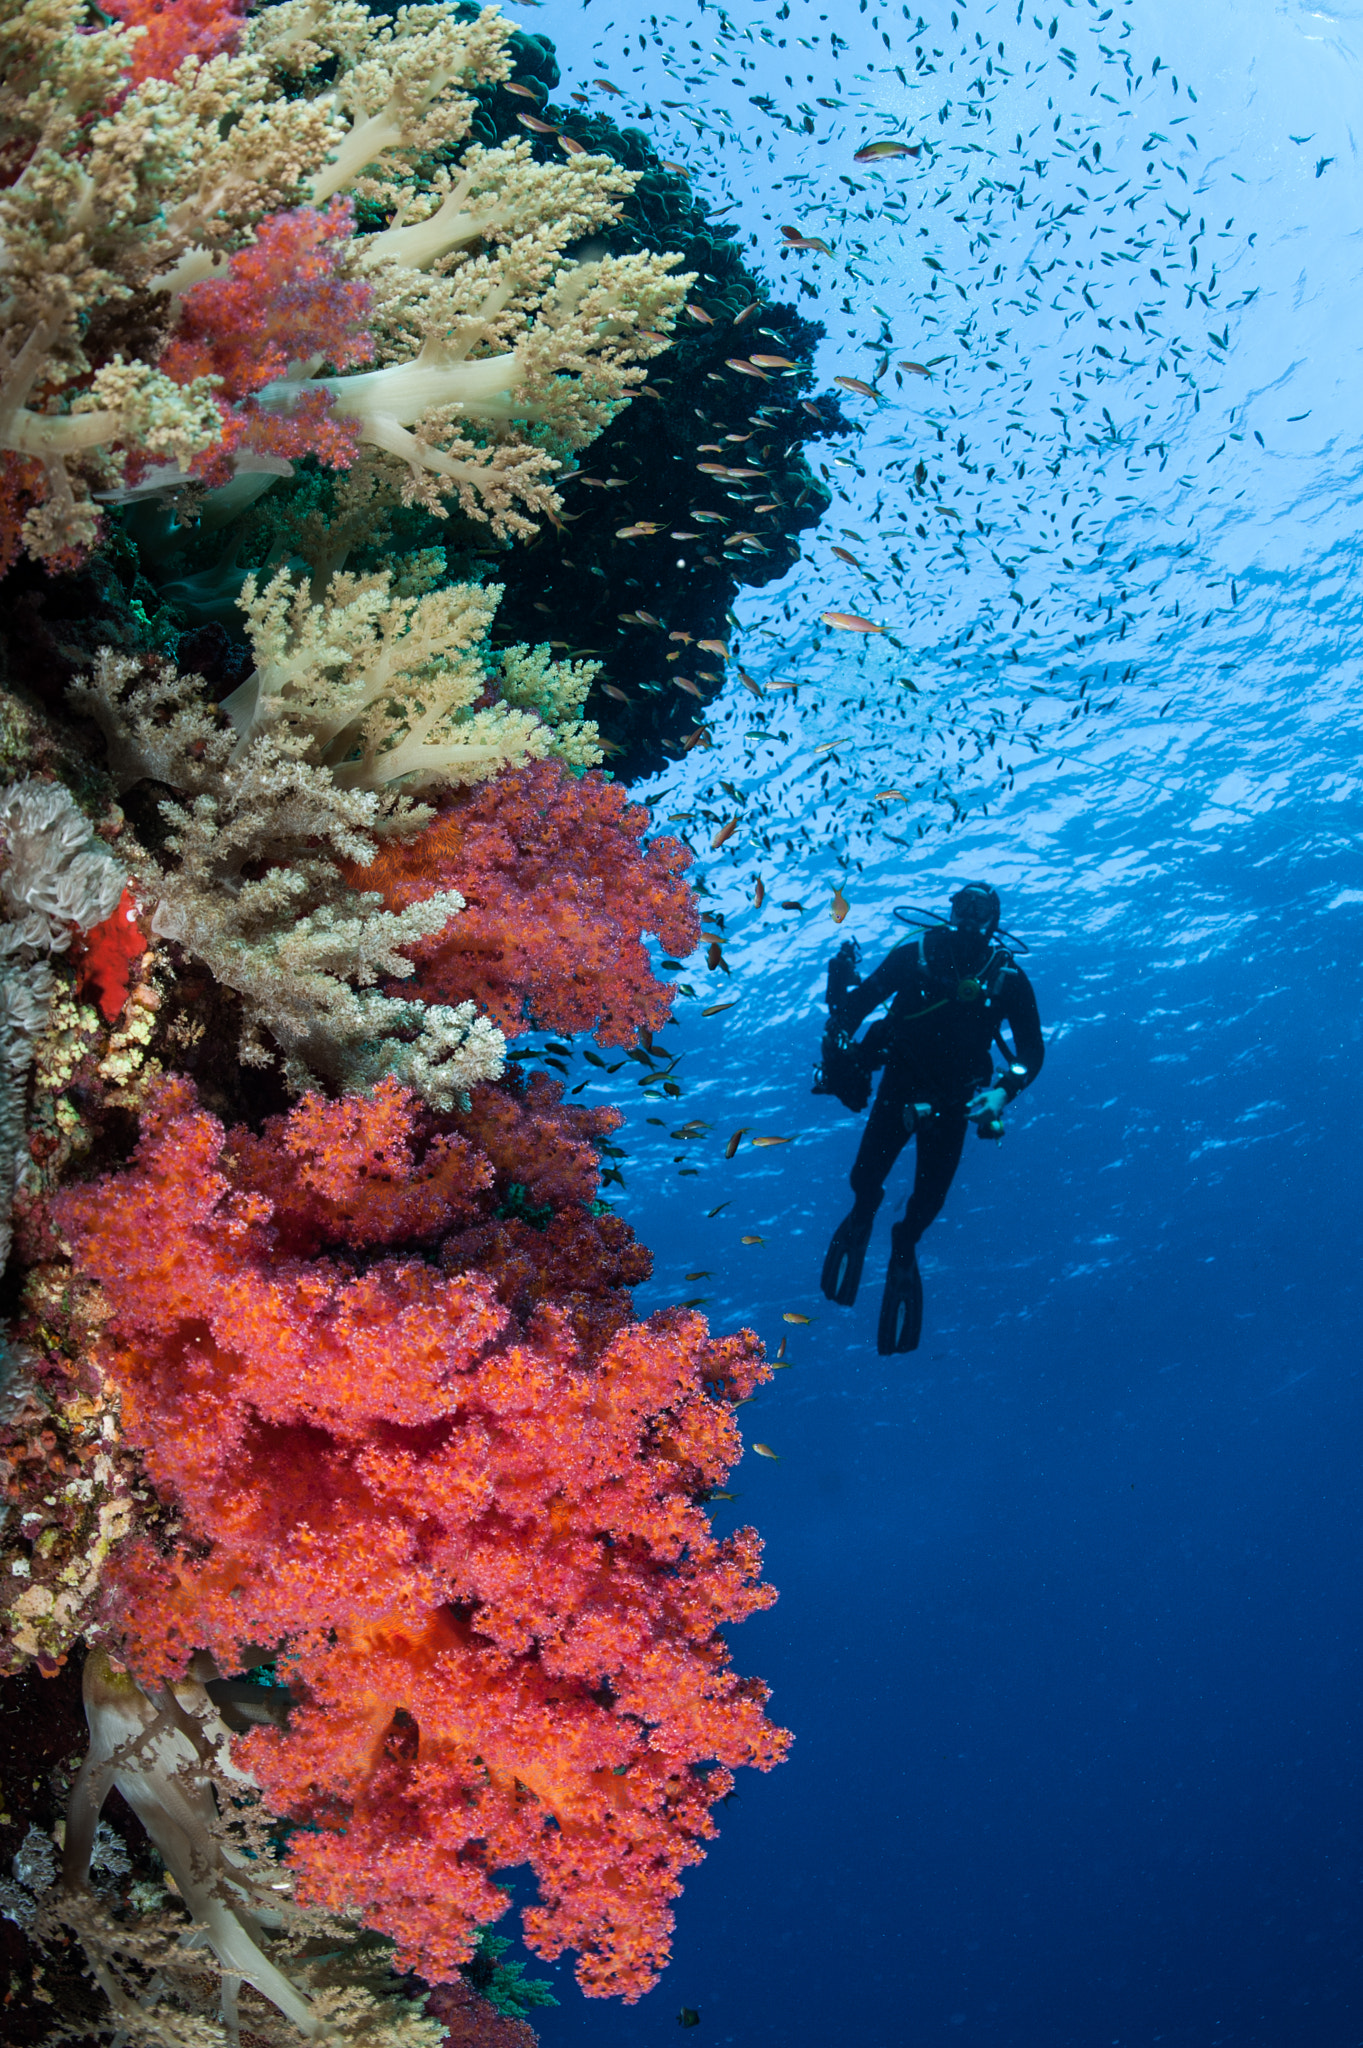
(560, 889)
(282, 301)
(469, 1508)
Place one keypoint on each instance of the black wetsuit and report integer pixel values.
(937, 1044)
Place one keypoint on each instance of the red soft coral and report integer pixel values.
(478, 1534)
(559, 890)
(177, 29)
(104, 957)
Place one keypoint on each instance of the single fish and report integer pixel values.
(770, 363)
(748, 682)
(856, 384)
(692, 689)
(714, 647)
(752, 1240)
(850, 622)
(766, 1451)
(793, 1316)
(844, 555)
(715, 1009)
(570, 146)
(718, 1206)
(747, 369)
(748, 311)
(839, 906)
(731, 1148)
(536, 126)
(771, 1141)
(884, 795)
(606, 86)
(917, 369)
(524, 92)
(759, 892)
(876, 152)
(698, 314)
(610, 690)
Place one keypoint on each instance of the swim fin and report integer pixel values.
(846, 1256)
(901, 1307)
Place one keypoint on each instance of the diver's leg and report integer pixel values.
(940, 1140)
(940, 1143)
(882, 1142)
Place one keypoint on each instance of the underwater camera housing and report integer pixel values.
(843, 1069)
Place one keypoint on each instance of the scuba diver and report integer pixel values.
(951, 990)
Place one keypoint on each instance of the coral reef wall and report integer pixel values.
(348, 1505)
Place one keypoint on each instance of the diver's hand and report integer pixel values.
(987, 1106)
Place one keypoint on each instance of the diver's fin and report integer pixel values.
(901, 1306)
(846, 1256)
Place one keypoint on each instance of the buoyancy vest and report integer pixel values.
(941, 987)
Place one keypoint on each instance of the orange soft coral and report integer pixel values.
(560, 889)
(176, 29)
(469, 1508)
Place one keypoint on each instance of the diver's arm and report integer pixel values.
(880, 987)
(1023, 1020)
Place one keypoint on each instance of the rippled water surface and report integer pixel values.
(1068, 1628)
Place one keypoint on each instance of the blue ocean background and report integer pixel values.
(1068, 1620)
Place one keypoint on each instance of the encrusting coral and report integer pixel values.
(495, 1591)
(189, 189)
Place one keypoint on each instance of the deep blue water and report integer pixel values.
(1068, 1627)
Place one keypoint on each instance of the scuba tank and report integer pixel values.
(844, 1070)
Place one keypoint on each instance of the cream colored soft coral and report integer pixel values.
(498, 354)
(402, 694)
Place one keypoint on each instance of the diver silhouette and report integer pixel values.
(951, 989)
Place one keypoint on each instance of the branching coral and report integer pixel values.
(248, 881)
(132, 188)
(491, 1570)
(558, 890)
